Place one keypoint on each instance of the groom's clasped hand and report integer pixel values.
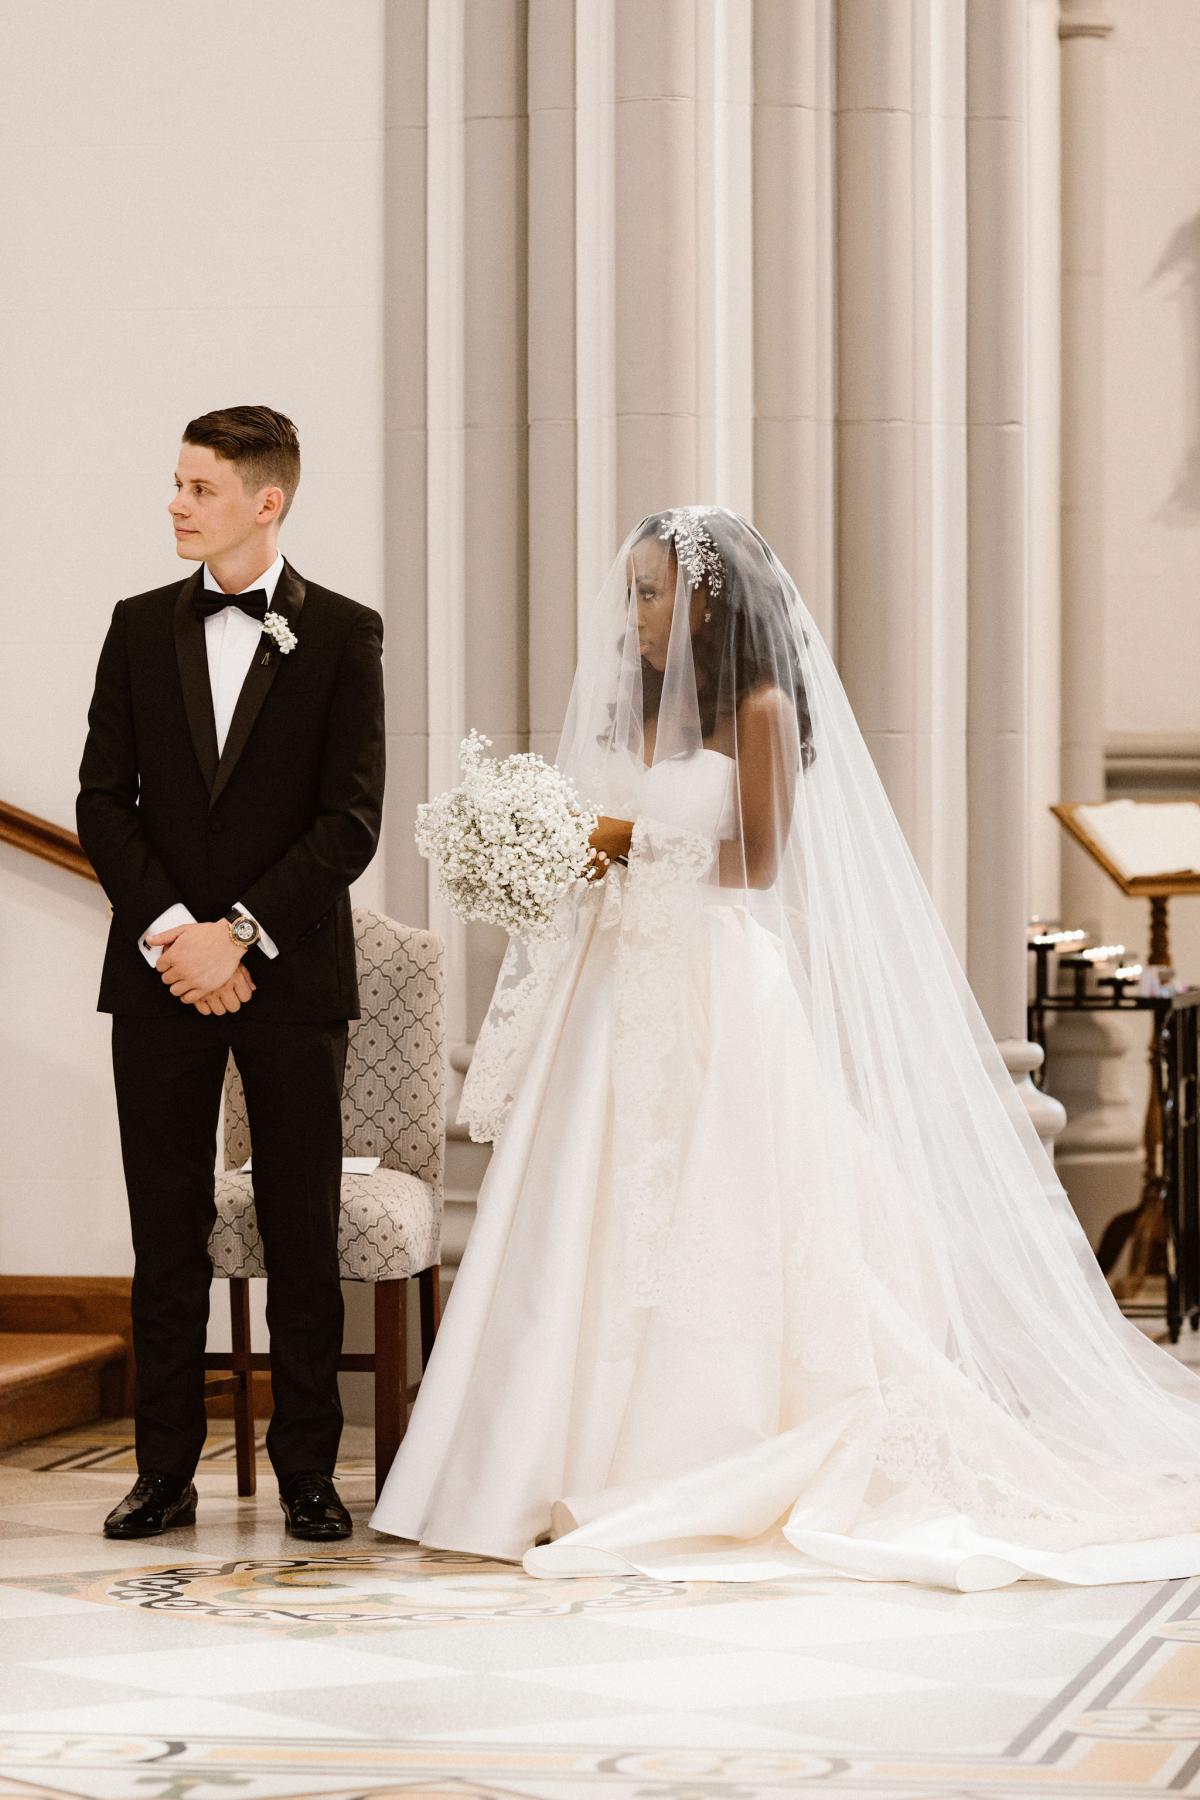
(202, 967)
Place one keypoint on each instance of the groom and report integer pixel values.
(230, 792)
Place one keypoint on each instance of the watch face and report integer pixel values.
(244, 931)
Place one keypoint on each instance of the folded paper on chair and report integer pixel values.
(351, 1165)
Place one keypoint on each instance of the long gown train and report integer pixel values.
(764, 1415)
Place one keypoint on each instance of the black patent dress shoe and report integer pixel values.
(155, 1503)
(312, 1507)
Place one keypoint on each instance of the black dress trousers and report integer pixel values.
(283, 816)
(169, 1074)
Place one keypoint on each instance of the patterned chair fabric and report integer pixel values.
(389, 1227)
(393, 1107)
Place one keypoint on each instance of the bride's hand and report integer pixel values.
(610, 843)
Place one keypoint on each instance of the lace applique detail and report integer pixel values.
(527, 975)
(612, 900)
(963, 1454)
(697, 1236)
(666, 866)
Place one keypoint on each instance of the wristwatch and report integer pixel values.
(242, 929)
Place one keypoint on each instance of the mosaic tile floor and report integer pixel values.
(220, 1663)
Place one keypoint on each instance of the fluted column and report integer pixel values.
(998, 534)
(657, 273)
(494, 522)
(557, 480)
(594, 295)
(1084, 28)
(795, 275)
(457, 402)
(725, 230)
(998, 597)
(1099, 1059)
(1044, 286)
(445, 618)
(406, 452)
(901, 417)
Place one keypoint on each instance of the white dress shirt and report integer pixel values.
(231, 638)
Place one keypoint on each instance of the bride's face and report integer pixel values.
(651, 575)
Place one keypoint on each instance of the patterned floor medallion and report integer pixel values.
(223, 1664)
(163, 1768)
(166, 1768)
(109, 1448)
(407, 1586)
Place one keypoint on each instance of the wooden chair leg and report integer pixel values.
(391, 1374)
(429, 1283)
(243, 1396)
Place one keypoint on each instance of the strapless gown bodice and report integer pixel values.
(692, 793)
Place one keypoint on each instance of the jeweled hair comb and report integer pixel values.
(694, 546)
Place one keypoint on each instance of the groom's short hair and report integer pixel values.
(262, 443)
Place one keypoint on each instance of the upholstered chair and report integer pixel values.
(390, 1233)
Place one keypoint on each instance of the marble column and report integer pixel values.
(998, 527)
(406, 450)
(902, 552)
(794, 294)
(997, 516)
(559, 161)
(1097, 1058)
(593, 294)
(445, 595)
(1084, 28)
(1044, 287)
(457, 424)
(495, 522)
(656, 277)
(725, 81)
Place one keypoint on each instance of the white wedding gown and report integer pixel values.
(731, 1430)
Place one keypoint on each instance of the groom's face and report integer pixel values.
(211, 513)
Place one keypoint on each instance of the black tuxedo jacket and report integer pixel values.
(283, 820)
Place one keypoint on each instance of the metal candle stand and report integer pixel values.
(1171, 1184)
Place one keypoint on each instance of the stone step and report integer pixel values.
(50, 1381)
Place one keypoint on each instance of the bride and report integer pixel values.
(770, 1271)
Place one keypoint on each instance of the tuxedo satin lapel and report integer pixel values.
(191, 653)
(288, 600)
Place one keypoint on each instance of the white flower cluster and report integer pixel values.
(510, 842)
(277, 627)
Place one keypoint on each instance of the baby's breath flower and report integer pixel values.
(277, 627)
(509, 842)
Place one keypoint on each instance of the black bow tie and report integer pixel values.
(209, 601)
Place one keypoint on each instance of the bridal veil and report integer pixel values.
(951, 1361)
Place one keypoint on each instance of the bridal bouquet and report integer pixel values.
(509, 841)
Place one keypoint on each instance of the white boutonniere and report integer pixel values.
(280, 632)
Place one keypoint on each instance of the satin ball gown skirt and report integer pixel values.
(719, 1395)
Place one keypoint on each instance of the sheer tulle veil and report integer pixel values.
(924, 1274)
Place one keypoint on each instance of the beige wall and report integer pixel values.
(1151, 661)
(184, 227)
(1152, 491)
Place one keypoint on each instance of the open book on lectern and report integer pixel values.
(1143, 844)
